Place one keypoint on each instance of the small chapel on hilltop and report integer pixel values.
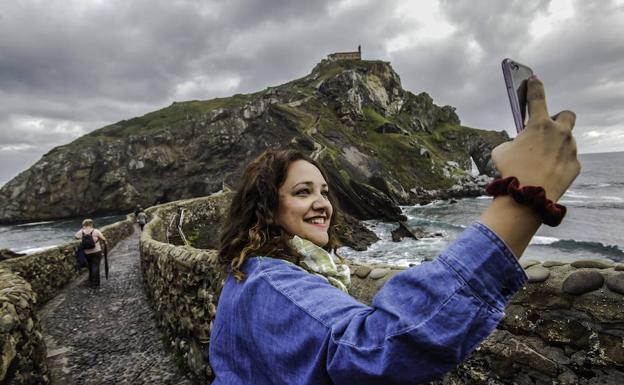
(357, 55)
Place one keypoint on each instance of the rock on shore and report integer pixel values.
(8, 254)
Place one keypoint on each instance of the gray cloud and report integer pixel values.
(70, 67)
(579, 59)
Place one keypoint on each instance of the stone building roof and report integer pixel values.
(356, 55)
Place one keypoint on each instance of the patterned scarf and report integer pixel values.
(317, 260)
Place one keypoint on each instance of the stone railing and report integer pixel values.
(27, 283)
(566, 326)
(23, 352)
(182, 281)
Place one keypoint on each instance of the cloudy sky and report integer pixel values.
(69, 67)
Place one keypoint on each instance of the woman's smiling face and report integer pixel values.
(304, 208)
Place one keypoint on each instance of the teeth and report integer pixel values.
(317, 221)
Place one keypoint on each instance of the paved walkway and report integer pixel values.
(107, 336)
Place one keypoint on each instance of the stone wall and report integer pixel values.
(565, 327)
(182, 281)
(23, 353)
(27, 283)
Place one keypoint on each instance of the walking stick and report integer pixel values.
(106, 260)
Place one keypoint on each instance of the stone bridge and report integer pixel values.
(150, 322)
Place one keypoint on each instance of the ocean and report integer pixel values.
(592, 229)
(32, 237)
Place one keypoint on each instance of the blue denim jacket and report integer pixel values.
(282, 325)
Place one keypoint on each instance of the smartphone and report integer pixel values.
(516, 76)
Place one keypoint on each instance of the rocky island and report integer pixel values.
(383, 146)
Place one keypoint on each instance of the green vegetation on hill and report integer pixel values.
(178, 113)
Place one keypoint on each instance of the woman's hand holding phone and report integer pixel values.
(543, 154)
(516, 76)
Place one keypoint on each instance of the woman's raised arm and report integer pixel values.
(543, 154)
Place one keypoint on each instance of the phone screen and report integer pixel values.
(516, 77)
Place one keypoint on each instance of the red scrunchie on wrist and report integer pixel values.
(534, 196)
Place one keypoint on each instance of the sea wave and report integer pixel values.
(571, 202)
(33, 250)
(436, 202)
(34, 224)
(574, 194)
(418, 221)
(611, 198)
(540, 240)
(595, 205)
(593, 199)
(599, 185)
(408, 251)
(612, 251)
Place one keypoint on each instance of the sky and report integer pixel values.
(69, 67)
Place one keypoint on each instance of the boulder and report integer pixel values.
(553, 263)
(8, 254)
(353, 234)
(580, 282)
(537, 273)
(403, 231)
(526, 263)
(615, 283)
(592, 264)
(362, 271)
(378, 273)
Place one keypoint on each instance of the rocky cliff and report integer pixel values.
(381, 144)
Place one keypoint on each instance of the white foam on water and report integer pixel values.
(541, 240)
(596, 185)
(574, 194)
(34, 223)
(598, 199)
(611, 198)
(484, 197)
(408, 251)
(33, 250)
(437, 202)
(108, 216)
(569, 201)
(401, 262)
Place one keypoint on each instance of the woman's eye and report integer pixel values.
(325, 193)
(304, 191)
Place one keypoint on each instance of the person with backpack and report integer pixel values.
(90, 239)
(141, 219)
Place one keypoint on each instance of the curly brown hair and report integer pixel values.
(251, 228)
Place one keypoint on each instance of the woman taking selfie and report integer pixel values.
(284, 316)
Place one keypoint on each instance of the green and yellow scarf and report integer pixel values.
(317, 260)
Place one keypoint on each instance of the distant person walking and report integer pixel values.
(141, 219)
(90, 239)
(137, 210)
